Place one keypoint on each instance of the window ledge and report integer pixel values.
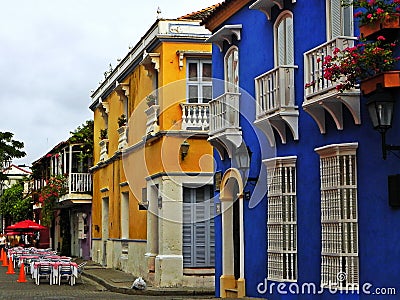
(265, 6)
(226, 33)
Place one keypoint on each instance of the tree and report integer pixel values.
(9, 149)
(14, 205)
(84, 134)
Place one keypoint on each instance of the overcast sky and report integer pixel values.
(53, 52)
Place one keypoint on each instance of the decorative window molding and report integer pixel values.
(282, 218)
(226, 33)
(191, 53)
(122, 90)
(265, 6)
(105, 106)
(151, 61)
(339, 217)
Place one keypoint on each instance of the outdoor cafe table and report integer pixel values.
(55, 267)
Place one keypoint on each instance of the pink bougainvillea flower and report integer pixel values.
(381, 38)
(369, 16)
(379, 11)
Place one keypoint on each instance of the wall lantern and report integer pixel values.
(243, 159)
(380, 107)
(184, 149)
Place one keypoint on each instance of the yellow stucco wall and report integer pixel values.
(160, 154)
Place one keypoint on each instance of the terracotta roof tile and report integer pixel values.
(201, 14)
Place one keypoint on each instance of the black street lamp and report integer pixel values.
(380, 107)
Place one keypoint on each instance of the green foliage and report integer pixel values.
(84, 134)
(9, 149)
(103, 134)
(55, 187)
(14, 205)
(122, 120)
(369, 11)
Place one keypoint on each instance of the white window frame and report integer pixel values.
(339, 217)
(125, 215)
(338, 25)
(282, 219)
(232, 87)
(288, 39)
(200, 82)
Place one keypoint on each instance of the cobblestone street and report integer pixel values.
(11, 289)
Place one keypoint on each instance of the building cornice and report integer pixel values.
(223, 13)
(160, 31)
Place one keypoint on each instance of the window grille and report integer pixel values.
(282, 220)
(339, 257)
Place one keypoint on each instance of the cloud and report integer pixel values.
(53, 52)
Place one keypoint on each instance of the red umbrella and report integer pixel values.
(18, 233)
(26, 225)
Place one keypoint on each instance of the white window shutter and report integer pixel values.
(336, 18)
(289, 42)
(281, 43)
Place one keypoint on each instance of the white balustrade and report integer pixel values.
(123, 137)
(103, 150)
(195, 116)
(313, 68)
(275, 90)
(80, 182)
(224, 113)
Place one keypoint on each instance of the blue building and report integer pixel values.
(327, 229)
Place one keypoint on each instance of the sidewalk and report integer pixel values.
(121, 282)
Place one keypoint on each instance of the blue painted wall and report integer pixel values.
(379, 238)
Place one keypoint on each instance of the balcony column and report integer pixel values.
(70, 169)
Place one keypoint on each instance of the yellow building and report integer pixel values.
(153, 174)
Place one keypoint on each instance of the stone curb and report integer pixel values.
(149, 292)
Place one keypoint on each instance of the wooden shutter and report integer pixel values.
(289, 42)
(198, 227)
(281, 43)
(335, 18)
(284, 42)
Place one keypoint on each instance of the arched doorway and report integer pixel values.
(232, 283)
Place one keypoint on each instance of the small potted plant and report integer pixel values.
(103, 134)
(351, 66)
(375, 15)
(122, 120)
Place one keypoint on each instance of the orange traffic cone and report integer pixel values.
(2, 256)
(10, 267)
(21, 277)
(5, 262)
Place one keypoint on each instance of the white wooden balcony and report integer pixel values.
(79, 189)
(80, 183)
(195, 116)
(322, 94)
(225, 131)
(276, 102)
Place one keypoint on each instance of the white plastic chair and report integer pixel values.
(66, 271)
(44, 270)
